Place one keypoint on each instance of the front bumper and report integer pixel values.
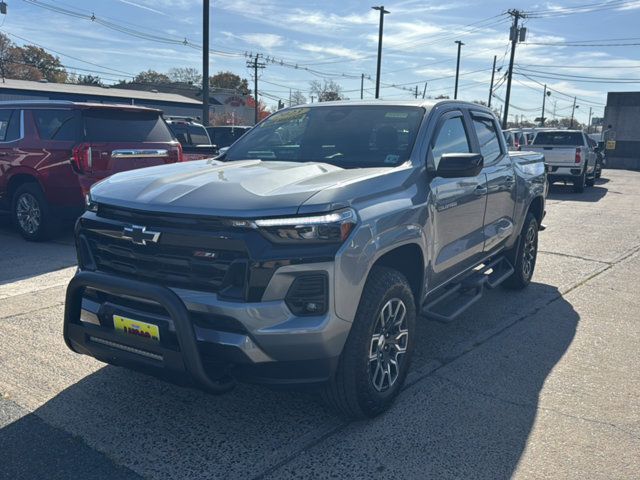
(203, 339)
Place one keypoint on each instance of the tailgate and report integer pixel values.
(119, 157)
(556, 154)
(117, 140)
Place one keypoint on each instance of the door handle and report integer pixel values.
(480, 190)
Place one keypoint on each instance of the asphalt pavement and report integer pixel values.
(542, 383)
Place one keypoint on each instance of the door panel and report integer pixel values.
(458, 205)
(499, 223)
(501, 184)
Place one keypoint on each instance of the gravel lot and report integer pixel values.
(542, 383)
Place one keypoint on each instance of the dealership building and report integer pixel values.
(621, 130)
(225, 107)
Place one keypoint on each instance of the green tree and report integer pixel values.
(326, 92)
(185, 75)
(48, 65)
(89, 80)
(151, 76)
(230, 81)
(297, 98)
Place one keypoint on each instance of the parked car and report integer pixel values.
(305, 255)
(515, 138)
(51, 152)
(568, 156)
(193, 137)
(224, 136)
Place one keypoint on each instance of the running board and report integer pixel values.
(457, 298)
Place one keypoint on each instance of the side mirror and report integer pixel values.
(454, 165)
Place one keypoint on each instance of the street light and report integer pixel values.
(546, 93)
(382, 14)
(573, 111)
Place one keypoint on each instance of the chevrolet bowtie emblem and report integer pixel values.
(140, 235)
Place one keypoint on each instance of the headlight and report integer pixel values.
(330, 228)
(89, 204)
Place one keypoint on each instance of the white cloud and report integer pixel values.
(331, 50)
(265, 40)
(142, 7)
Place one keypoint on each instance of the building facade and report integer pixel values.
(169, 103)
(621, 130)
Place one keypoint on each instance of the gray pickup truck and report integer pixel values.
(306, 254)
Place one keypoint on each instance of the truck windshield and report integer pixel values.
(347, 136)
(571, 139)
(112, 125)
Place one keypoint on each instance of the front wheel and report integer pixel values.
(376, 357)
(523, 255)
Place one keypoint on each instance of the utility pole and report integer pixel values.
(589, 124)
(455, 92)
(515, 34)
(205, 62)
(545, 94)
(416, 94)
(573, 111)
(255, 64)
(361, 86)
(383, 12)
(312, 97)
(424, 92)
(289, 97)
(493, 75)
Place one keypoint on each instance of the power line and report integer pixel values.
(582, 100)
(577, 79)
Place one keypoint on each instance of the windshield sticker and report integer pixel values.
(392, 158)
(396, 115)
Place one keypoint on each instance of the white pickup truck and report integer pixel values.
(568, 155)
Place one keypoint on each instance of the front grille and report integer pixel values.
(169, 265)
(137, 217)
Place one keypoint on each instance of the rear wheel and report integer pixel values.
(523, 255)
(376, 357)
(31, 213)
(579, 183)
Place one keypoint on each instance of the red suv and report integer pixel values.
(51, 152)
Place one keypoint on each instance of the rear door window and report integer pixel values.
(198, 135)
(61, 125)
(487, 133)
(452, 138)
(111, 125)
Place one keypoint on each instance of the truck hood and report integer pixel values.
(241, 189)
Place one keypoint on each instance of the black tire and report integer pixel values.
(523, 255)
(579, 183)
(590, 182)
(31, 213)
(598, 172)
(357, 389)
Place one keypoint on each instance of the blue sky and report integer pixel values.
(338, 39)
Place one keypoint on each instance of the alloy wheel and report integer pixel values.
(529, 251)
(388, 345)
(28, 213)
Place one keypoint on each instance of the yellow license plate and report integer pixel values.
(136, 328)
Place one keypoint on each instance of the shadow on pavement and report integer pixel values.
(558, 191)
(470, 418)
(20, 259)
